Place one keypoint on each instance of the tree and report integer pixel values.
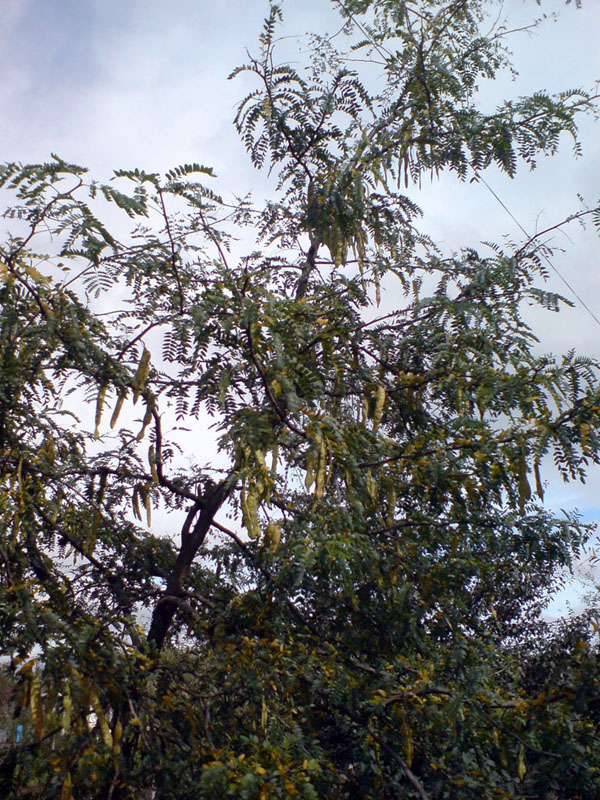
(347, 601)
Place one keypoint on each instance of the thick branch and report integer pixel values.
(164, 611)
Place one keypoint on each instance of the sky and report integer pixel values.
(143, 83)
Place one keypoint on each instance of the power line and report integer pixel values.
(544, 255)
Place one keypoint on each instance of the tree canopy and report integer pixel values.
(343, 598)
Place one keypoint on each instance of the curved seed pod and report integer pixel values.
(275, 460)
(407, 743)
(243, 504)
(99, 406)
(35, 704)
(118, 407)
(371, 486)
(272, 536)
(260, 488)
(364, 410)
(141, 375)
(117, 736)
(152, 462)
(311, 463)
(146, 500)
(66, 793)
(539, 486)
(380, 397)
(90, 541)
(521, 765)
(101, 488)
(147, 419)
(524, 487)
(391, 507)
(252, 518)
(321, 469)
(98, 711)
(66, 715)
(135, 502)
(249, 513)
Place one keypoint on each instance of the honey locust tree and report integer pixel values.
(342, 598)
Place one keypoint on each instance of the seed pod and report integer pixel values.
(90, 541)
(35, 704)
(524, 487)
(66, 715)
(101, 488)
(407, 743)
(118, 407)
(521, 765)
(272, 536)
(311, 463)
(104, 729)
(539, 486)
(249, 506)
(321, 468)
(152, 462)
(144, 492)
(365, 409)
(141, 375)
(135, 503)
(99, 406)
(274, 460)
(391, 507)
(371, 486)
(117, 736)
(260, 488)
(147, 419)
(379, 404)
(66, 793)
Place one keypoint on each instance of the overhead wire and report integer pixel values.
(529, 237)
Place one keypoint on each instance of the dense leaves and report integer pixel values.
(342, 594)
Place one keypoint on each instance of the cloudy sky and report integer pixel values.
(142, 83)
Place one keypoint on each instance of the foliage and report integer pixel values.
(367, 622)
